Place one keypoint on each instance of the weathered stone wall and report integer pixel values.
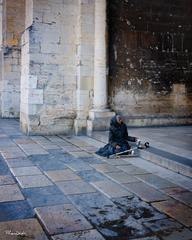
(150, 60)
(10, 82)
(1, 48)
(49, 71)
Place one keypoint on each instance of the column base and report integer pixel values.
(99, 120)
(80, 126)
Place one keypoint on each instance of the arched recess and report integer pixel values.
(150, 57)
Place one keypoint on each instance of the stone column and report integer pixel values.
(85, 56)
(49, 76)
(100, 114)
(100, 83)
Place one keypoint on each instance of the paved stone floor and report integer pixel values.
(55, 187)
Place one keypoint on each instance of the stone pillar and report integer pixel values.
(100, 114)
(13, 27)
(85, 56)
(48, 85)
(100, 83)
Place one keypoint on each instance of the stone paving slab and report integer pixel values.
(32, 149)
(47, 200)
(6, 180)
(14, 163)
(12, 152)
(51, 165)
(146, 192)
(80, 154)
(156, 181)
(3, 135)
(75, 187)
(104, 168)
(53, 160)
(23, 141)
(91, 176)
(91, 149)
(58, 141)
(80, 166)
(64, 145)
(15, 210)
(91, 141)
(146, 165)
(37, 158)
(44, 142)
(48, 146)
(4, 170)
(185, 197)
(97, 208)
(56, 151)
(174, 190)
(10, 193)
(132, 170)
(183, 183)
(62, 175)
(62, 219)
(92, 160)
(111, 189)
(25, 171)
(71, 148)
(122, 177)
(184, 234)
(131, 228)
(139, 210)
(40, 138)
(81, 235)
(6, 142)
(75, 140)
(176, 210)
(41, 191)
(33, 181)
(117, 162)
(163, 226)
(22, 229)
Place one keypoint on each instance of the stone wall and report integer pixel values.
(10, 83)
(1, 49)
(61, 70)
(150, 60)
(49, 74)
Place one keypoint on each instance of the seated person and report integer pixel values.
(118, 138)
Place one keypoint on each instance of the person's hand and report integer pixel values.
(117, 146)
(138, 141)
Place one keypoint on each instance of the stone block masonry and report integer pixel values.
(11, 59)
(49, 71)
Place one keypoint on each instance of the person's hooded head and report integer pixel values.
(116, 120)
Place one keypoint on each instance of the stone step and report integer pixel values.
(168, 160)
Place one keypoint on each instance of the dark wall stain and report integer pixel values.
(150, 45)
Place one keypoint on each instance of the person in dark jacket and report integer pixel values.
(118, 138)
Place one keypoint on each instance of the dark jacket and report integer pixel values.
(118, 134)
